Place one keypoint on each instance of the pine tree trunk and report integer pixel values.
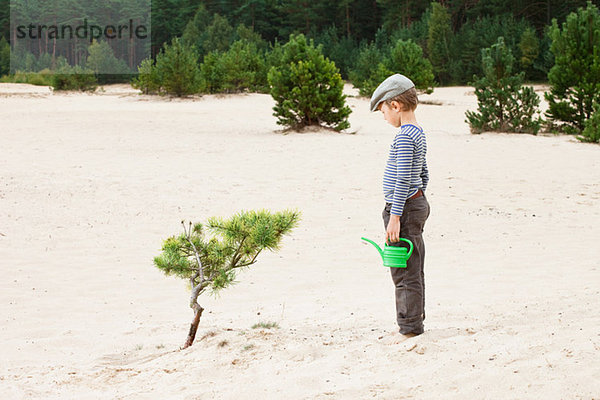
(347, 21)
(193, 327)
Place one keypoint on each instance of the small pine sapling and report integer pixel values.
(211, 260)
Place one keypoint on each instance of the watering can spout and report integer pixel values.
(374, 244)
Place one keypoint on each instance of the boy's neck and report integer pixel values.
(408, 118)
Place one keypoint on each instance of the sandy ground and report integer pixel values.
(90, 185)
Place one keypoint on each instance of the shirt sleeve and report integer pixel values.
(425, 175)
(404, 160)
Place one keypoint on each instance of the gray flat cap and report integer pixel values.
(391, 87)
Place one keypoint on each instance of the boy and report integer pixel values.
(404, 183)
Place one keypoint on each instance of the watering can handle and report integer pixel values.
(411, 247)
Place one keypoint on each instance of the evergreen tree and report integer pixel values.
(545, 60)
(211, 262)
(591, 130)
(401, 14)
(304, 16)
(148, 79)
(215, 33)
(438, 41)
(194, 33)
(369, 69)
(249, 35)
(261, 16)
(169, 19)
(476, 35)
(417, 31)
(5, 18)
(4, 57)
(529, 47)
(504, 104)
(407, 59)
(274, 56)
(177, 66)
(307, 88)
(575, 77)
(342, 50)
(101, 59)
(219, 35)
(242, 67)
(176, 71)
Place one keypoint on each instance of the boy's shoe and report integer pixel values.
(409, 334)
(396, 338)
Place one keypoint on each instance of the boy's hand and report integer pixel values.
(392, 233)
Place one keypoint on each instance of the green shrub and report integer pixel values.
(274, 55)
(74, 78)
(438, 41)
(364, 75)
(406, 58)
(213, 33)
(575, 78)
(148, 79)
(42, 78)
(376, 76)
(591, 131)
(248, 35)
(307, 88)
(175, 72)
(504, 104)
(208, 33)
(242, 67)
(107, 68)
(178, 68)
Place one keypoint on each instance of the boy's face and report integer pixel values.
(391, 113)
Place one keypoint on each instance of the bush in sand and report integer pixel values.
(591, 132)
(308, 88)
(504, 104)
(575, 77)
(175, 72)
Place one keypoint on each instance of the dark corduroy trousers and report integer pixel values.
(409, 282)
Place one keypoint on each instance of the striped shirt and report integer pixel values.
(406, 170)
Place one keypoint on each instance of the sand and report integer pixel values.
(92, 183)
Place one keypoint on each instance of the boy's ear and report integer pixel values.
(397, 106)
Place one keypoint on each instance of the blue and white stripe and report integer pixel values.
(406, 170)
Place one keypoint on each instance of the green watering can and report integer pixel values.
(393, 257)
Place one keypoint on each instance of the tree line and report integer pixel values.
(347, 27)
